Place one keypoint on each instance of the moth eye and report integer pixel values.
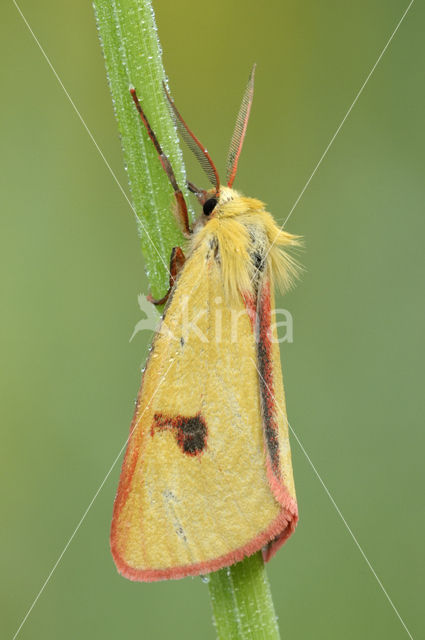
(209, 206)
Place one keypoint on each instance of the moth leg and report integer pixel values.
(181, 209)
(177, 261)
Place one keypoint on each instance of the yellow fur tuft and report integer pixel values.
(284, 267)
(241, 228)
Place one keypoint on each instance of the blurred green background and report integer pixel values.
(72, 268)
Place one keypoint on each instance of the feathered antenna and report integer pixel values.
(194, 145)
(240, 130)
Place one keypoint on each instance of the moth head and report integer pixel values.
(212, 201)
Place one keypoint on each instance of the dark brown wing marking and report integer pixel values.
(265, 367)
(190, 432)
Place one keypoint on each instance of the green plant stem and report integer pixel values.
(241, 597)
(242, 601)
(133, 58)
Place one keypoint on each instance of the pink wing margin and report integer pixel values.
(260, 311)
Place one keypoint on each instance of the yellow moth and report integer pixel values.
(207, 475)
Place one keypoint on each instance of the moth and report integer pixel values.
(207, 476)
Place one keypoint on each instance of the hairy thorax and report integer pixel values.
(246, 242)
